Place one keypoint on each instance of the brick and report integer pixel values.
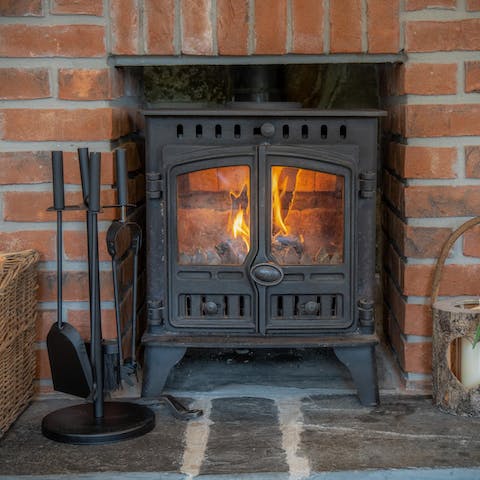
(418, 357)
(456, 280)
(21, 8)
(75, 286)
(64, 125)
(418, 320)
(442, 120)
(45, 320)
(411, 5)
(17, 206)
(24, 84)
(393, 263)
(413, 357)
(472, 77)
(424, 242)
(197, 30)
(422, 162)
(44, 387)
(43, 364)
(232, 27)
(124, 27)
(271, 27)
(413, 241)
(77, 7)
(35, 167)
(429, 162)
(80, 319)
(473, 5)
(394, 190)
(412, 319)
(52, 41)
(307, 26)
(25, 167)
(443, 36)
(396, 118)
(103, 84)
(75, 246)
(471, 242)
(41, 240)
(160, 26)
(442, 201)
(383, 26)
(472, 162)
(346, 26)
(429, 79)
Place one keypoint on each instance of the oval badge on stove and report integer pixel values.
(267, 274)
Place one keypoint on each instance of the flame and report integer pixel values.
(240, 227)
(278, 192)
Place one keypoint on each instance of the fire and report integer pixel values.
(240, 228)
(240, 211)
(278, 192)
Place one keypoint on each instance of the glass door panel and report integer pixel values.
(307, 217)
(213, 216)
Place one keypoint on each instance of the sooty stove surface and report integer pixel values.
(261, 234)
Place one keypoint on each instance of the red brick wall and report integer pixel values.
(431, 174)
(58, 92)
(240, 27)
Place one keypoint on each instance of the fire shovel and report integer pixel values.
(69, 362)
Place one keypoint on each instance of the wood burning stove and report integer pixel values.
(261, 233)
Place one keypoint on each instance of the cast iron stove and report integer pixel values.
(261, 234)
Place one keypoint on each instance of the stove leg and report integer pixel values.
(158, 361)
(360, 361)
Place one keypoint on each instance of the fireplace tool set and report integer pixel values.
(75, 370)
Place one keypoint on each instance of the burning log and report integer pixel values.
(232, 251)
(328, 255)
(288, 249)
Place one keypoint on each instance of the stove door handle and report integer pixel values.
(267, 274)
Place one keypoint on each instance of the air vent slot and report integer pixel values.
(304, 131)
(199, 131)
(218, 131)
(286, 131)
(237, 131)
(257, 131)
(179, 130)
(324, 131)
(343, 131)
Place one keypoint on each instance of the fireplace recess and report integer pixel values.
(261, 234)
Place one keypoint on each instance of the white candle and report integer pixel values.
(470, 363)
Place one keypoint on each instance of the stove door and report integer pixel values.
(304, 267)
(261, 238)
(212, 211)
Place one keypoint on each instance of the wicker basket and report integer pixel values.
(18, 312)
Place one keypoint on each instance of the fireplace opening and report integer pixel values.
(261, 215)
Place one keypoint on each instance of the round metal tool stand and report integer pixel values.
(78, 425)
(97, 422)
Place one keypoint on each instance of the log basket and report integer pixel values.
(453, 318)
(18, 313)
